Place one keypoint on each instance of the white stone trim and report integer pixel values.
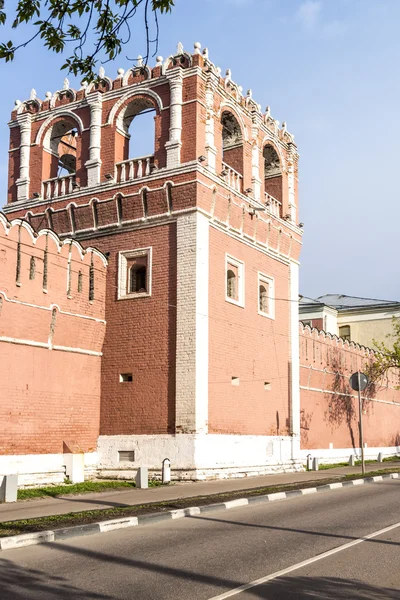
(25, 124)
(123, 258)
(41, 469)
(50, 308)
(270, 281)
(48, 346)
(239, 264)
(192, 323)
(294, 355)
(93, 165)
(202, 323)
(145, 91)
(198, 456)
(335, 455)
(55, 115)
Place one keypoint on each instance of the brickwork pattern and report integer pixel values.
(51, 333)
(329, 407)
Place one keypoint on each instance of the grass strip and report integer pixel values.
(326, 467)
(9, 528)
(78, 488)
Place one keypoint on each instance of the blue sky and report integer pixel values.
(330, 68)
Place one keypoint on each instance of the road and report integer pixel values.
(208, 557)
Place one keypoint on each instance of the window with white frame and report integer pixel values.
(234, 281)
(134, 276)
(266, 302)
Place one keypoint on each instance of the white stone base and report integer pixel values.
(331, 456)
(42, 469)
(194, 457)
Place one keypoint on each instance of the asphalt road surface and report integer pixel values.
(339, 545)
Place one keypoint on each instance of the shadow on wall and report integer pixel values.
(342, 406)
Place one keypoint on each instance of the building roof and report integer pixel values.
(343, 303)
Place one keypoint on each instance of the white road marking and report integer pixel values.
(304, 563)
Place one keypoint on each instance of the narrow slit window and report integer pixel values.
(91, 282)
(263, 297)
(32, 268)
(231, 282)
(80, 282)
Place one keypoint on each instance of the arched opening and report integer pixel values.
(232, 149)
(136, 131)
(263, 298)
(60, 157)
(272, 180)
(231, 284)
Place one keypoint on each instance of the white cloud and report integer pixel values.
(308, 13)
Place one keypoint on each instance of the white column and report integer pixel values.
(255, 171)
(173, 146)
(211, 151)
(25, 122)
(192, 324)
(291, 189)
(94, 163)
(294, 357)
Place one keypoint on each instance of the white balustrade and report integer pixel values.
(134, 168)
(274, 207)
(233, 178)
(58, 186)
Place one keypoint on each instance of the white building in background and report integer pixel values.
(361, 320)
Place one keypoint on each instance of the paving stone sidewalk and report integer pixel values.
(75, 503)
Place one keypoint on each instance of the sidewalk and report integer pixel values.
(29, 509)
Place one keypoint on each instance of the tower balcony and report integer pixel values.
(232, 177)
(273, 206)
(134, 168)
(58, 186)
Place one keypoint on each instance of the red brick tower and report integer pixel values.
(200, 359)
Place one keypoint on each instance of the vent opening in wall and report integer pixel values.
(267, 385)
(125, 377)
(126, 456)
(235, 380)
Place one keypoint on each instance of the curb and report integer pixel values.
(42, 537)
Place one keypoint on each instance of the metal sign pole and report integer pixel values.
(361, 424)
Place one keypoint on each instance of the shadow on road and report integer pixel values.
(18, 583)
(324, 588)
(338, 536)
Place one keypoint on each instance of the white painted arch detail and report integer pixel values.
(229, 106)
(64, 113)
(132, 94)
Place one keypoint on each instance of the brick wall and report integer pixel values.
(247, 345)
(51, 337)
(140, 339)
(329, 408)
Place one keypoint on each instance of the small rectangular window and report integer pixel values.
(266, 296)
(125, 377)
(344, 332)
(234, 280)
(126, 456)
(235, 381)
(134, 279)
